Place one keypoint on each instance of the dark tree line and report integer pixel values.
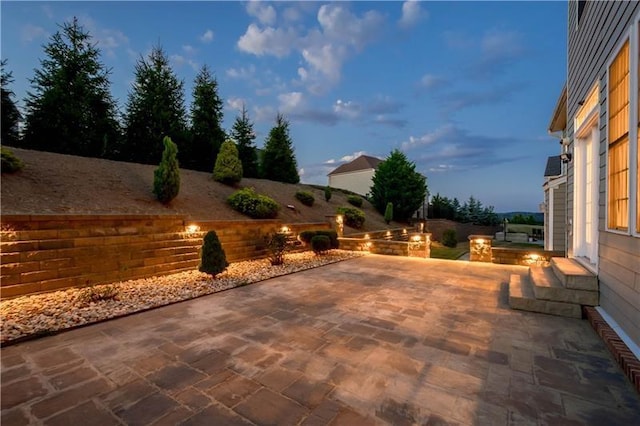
(70, 110)
(471, 211)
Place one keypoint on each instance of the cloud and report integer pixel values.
(498, 50)
(290, 101)
(339, 35)
(431, 81)
(188, 49)
(266, 14)
(412, 13)
(318, 116)
(383, 105)
(235, 103)
(459, 100)
(31, 32)
(242, 73)
(347, 109)
(457, 39)
(179, 61)
(107, 39)
(450, 147)
(48, 11)
(265, 113)
(207, 36)
(389, 121)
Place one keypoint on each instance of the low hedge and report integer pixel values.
(320, 244)
(354, 200)
(256, 206)
(305, 198)
(352, 217)
(307, 236)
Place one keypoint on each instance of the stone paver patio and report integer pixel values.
(372, 340)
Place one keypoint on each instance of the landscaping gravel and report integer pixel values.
(46, 313)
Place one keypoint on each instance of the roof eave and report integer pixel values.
(559, 119)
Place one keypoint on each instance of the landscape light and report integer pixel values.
(285, 229)
(192, 229)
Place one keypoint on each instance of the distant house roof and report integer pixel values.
(554, 166)
(364, 162)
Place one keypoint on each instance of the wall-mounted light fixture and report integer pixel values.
(566, 157)
(192, 229)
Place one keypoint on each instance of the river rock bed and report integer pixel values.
(43, 314)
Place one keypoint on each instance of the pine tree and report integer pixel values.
(213, 259)
(166, 178)
(279, 161)
(396, 181)
(244, 136)
(207, 134)
(228, 168)
(155, 109)
(70, 109)
(10, 114)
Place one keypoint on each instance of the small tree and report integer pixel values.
(10, 113)
(242, 132)
(228, 168)
(327, 193)
(388, 213)
(214, 259)
(166, 178)
(279, 161)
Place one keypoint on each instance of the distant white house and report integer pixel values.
(355, 176)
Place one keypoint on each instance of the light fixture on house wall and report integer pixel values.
(565, 157)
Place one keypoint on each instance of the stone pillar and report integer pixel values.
(480, 248)
(419, 245)
(337, 223)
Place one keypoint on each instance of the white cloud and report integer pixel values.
(264, 113)
(31, 32)
(501, 43)
(428, 138)
(242, 73)
(431, 81)
(107, 39)
(188, 49)
(352, 157)
(179, 61)
(346, 109)
(207, 37)
(290, 101)
(266, 14)
(268, 41)
(324, 49)
(235, 103)
(412, 13)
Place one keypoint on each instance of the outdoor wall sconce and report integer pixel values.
(285, 230)
(565, 157)
(192, 229)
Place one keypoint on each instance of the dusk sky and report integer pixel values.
(465, 89)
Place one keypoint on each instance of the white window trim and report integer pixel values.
(631, 36)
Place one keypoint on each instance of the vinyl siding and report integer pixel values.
(559, 214)
(359, 182)
(591, 46)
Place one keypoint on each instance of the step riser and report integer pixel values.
(580, 279)
(588, 298)
(522, 297)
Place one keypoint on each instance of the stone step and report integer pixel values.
(573, 275)
(522, 297)
(546, 286)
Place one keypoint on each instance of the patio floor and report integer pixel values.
(372, 340)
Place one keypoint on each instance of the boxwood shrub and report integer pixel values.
(449, 238)
(320, 244)
(10, 163)
(305, 198)
(256, 206)
(307, 236)
(352, 217)
(354, 200)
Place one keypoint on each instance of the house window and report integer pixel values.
(618, 160)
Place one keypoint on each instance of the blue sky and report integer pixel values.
(465, 89)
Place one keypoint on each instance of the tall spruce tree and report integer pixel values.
(244, 135)
(70, 109)
(207, 134)
(155, 109)
(10, 113)
(396, 181)
(279, 161)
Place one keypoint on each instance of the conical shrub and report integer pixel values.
(166, 178)
(213, 260)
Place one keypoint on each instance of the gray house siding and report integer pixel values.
(559, 214)
(592, 44)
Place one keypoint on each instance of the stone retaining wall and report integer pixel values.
(40, 253)
(524, 257)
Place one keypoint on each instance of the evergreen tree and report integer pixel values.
(279, 161)
(10, 114)
(155, 109)
(213, 259)
(70, 109)
(228, 168)
(166, 178)
(207, 134)
(396, 181)
(244, 136)
(388, 213)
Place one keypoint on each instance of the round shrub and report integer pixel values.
(352, 217)
(10, 163)
(228, 167)
(320, 244)
(354, 200)
(449, 238)
(213, 259)
(306, 236)
(256, 206)
(305, 198)
(327, 193)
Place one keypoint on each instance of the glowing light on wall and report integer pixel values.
(192, 229)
